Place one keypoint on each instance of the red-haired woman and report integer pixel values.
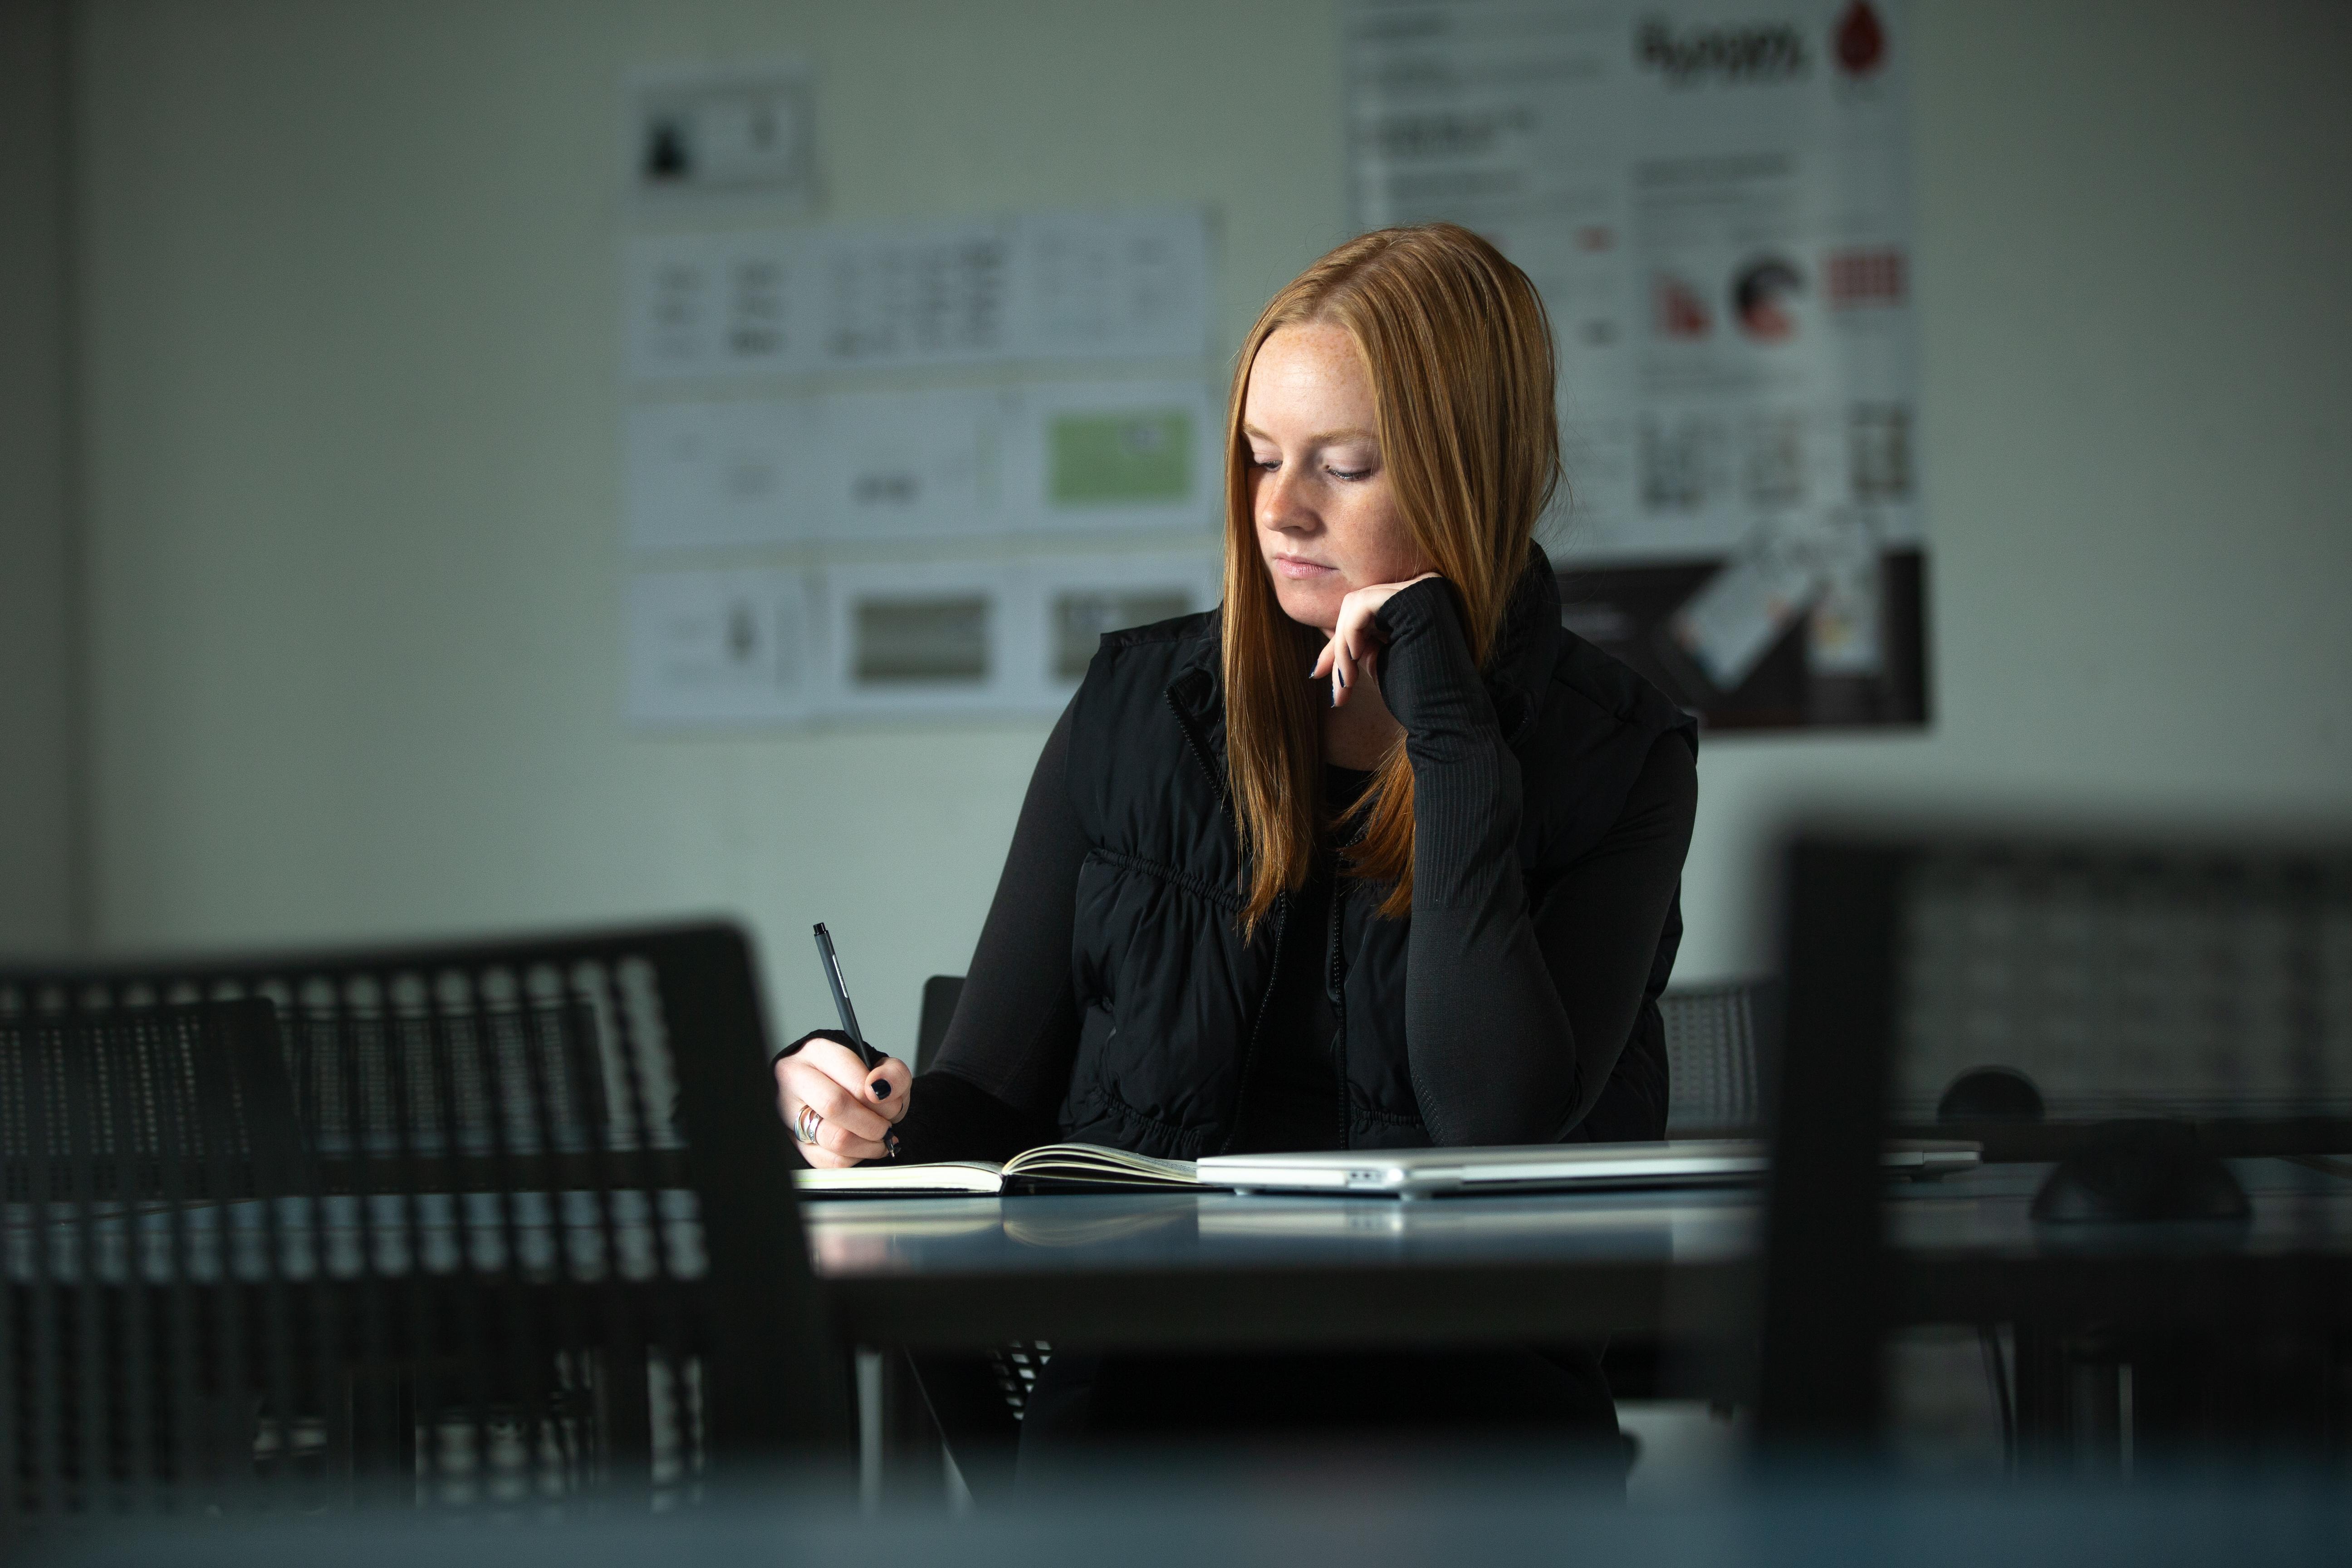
(1376, 855)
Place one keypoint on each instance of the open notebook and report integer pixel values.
(1055, 1167)
(1394, 1172)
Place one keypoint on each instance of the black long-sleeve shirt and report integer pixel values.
(1514, 1015)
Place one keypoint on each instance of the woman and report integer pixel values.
(1375, 855)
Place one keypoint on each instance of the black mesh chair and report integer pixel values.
(2209, 983)
(1719, 1043)
(486, 1226)
(148, 1104)
(108, 1114)
(940, 994)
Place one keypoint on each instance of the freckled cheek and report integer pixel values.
(1385, 544)
(1364, 545)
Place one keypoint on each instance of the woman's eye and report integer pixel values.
(1349, 473)
(1268, 464)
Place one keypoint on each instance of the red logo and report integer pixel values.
(1681, 312)
(1861, 39)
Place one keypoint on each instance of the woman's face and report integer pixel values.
(1325, 514)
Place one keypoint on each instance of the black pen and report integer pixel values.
(868, 1054)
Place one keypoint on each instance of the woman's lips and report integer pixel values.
(1299, 569)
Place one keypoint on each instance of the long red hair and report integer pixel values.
(1460, 353)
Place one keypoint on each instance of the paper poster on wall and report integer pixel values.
(739, 131)
(1074, 599)
(1715, 201)
(713, 475)
(959, 463)
(737, 648)
(773, 405)
(1133, 284)
(1000, 637)
(857, 466)
(716, 304)
(1120, 284)
(1114, 455)
(910, 464)
(718, 647)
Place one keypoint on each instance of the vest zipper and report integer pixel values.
(1199, 747)
(1335, 978)
(1334, 987)
(1257, 1024)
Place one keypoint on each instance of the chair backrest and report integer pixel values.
(2223, 973)
(940, 994)
(146, 1104)
(1719, 1043)
(542, 1242)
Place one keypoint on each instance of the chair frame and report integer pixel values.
(772, 1390)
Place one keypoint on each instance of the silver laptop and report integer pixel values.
(1541, 1167)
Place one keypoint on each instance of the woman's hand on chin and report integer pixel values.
(1347, 657)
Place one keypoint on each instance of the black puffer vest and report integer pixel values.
(1169, 995)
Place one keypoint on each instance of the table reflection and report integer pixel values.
(1984, 1211)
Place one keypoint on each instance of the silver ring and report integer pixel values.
(807, 1122)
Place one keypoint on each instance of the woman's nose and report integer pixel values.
(1278, 507)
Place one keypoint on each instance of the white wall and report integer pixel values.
(350, 303)
(38, 736)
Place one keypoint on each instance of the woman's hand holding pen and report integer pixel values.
(855, 1106)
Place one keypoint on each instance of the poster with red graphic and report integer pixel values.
(1714, 197)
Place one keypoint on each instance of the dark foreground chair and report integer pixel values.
(2206, 982)
(490, 1226)
(147, 1105)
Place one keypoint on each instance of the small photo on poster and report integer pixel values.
(1009, 636)
(924, 638)
(738, 131)
(1081, 615)
(1114, 455)
(1075, 599)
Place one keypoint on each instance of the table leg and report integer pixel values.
(383, 1437)
(2070, 1403)
(914, 1457)
(625, 1419)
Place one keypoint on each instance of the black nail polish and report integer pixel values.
(881, 1088)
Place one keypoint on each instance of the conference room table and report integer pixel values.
(1205, 1271)
(1181, 1271)
(1677, 1273)
(1214, 1270)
